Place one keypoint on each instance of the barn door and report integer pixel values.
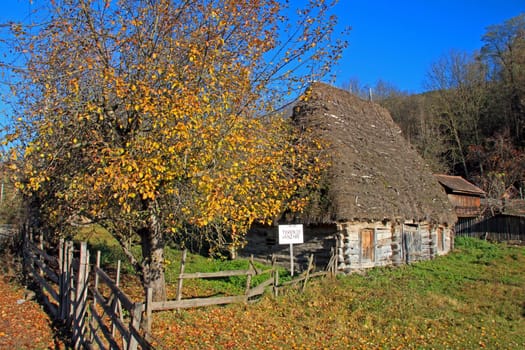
(367, 245)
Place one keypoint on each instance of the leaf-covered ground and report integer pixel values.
(472, 299)
(23, 323)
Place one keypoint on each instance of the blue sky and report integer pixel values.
(397, 41)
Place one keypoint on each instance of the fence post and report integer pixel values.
(81, 297)
(252, 264)
(69, 293)
(61, 280)
(136, 314)
(117, 308)
(181, 273)
(149, 313)
(94, 303)
(275, 277)
(276, 283)
(96, 276)
(310, 267)
(249, 281)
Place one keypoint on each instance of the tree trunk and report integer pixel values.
(153, 258)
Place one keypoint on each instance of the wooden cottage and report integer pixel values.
(381, 204)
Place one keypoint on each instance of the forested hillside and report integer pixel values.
(471, 122)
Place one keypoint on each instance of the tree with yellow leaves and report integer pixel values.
(158, 119)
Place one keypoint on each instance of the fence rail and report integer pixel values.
(64, 286)
(114, 306)
(99, 313)
(249, 293)
(180, 303)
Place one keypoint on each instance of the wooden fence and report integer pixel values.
(99, 313)
(64, 288)
(500, 227)
(107, 314)
(248, 295)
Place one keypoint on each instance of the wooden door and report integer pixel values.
(411, 243)
(440, 242)
(367, 244)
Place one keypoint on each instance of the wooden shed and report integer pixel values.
(381, 204)
(500, 227)
(464, 196)
(506, 222)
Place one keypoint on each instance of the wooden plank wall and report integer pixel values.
(500, 227)
(393, 244)
(319, 240)
(350, 252)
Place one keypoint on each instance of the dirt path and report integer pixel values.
(23, 324)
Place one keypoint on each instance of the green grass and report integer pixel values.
(213, 286)
(99, 239)
(472, 298)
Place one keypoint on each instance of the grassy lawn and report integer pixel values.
(111, 252)
(472, 298)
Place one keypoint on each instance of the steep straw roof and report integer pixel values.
(375, 174)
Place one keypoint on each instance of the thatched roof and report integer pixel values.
(375, 174)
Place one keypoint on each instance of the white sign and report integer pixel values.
(290, 234)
